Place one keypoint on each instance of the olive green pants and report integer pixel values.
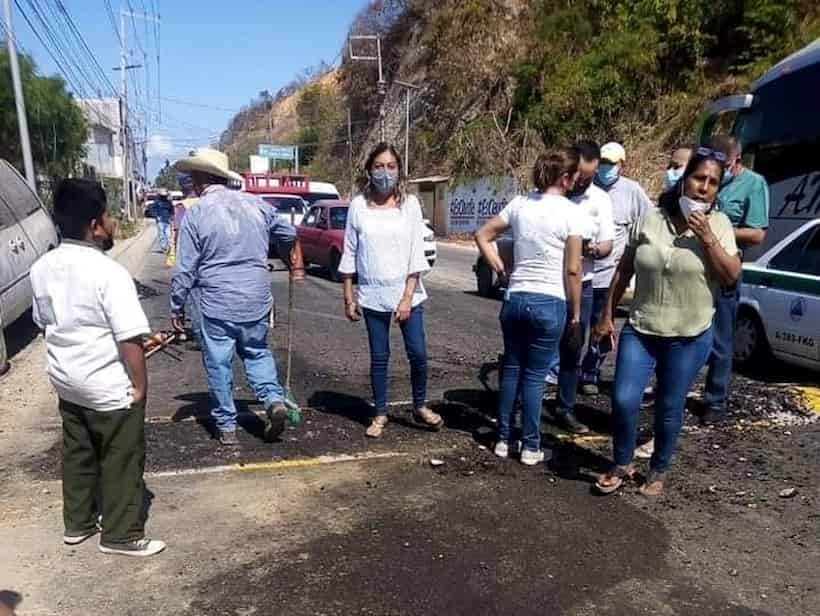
(103, 462)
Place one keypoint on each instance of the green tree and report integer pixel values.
(167, 177)
(57, 126)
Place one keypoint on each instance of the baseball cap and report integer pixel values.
(613, 152)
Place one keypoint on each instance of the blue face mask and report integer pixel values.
(672, 177)
(383, 182)
(607, 174)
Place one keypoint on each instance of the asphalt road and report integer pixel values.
(297, 528)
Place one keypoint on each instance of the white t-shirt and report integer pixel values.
(383, 247)
(596, 208)
(86, 303)
(540, 226)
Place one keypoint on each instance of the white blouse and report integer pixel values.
(383, 247)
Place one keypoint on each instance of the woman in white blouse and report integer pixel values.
(384, 248)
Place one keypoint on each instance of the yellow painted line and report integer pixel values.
(811, 396)
(589, 438)
(276, 465)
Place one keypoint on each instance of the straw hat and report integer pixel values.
(209, 161)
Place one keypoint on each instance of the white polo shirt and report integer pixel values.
(86, 303)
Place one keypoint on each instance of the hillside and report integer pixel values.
(500, 80)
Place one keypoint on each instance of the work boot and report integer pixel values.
(429, 418)
(228, 438)
(569, 422)
(376, 427)
(275, 417)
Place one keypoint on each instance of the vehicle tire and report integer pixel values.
(335, 261)
(750, 345)
(485, 279)
(4, 360)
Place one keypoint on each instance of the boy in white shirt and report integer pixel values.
(88, 307)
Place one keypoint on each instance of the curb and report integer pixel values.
(132, 252)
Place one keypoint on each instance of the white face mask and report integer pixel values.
(687, 206)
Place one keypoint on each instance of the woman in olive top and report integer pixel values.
(681, 253)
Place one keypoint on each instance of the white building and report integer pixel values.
(103, 151)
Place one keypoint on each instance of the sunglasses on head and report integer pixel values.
(710, 153)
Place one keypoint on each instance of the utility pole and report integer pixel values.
(407, 87)
(381, 85)
(22, 120)
(126, 164)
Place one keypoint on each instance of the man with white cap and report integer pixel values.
(595, 207)
(629, 202)
(223, 248)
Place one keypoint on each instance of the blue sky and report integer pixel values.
(212, 52)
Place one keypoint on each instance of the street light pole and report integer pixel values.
(381, 85)
(407, 87)
(22, 120)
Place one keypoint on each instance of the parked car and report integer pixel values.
(26, 233)
(430, 251)
(322, 235)
(320, 191)
(488, 283)
(780, 301)
(285, 205)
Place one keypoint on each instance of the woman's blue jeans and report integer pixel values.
(676, 362)
(378, 332)
(532, 324)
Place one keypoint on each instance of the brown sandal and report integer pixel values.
(653, 486)
(611, 482)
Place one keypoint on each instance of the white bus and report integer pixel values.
(778, 124)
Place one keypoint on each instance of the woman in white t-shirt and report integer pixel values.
(547, 233)
(384, 248)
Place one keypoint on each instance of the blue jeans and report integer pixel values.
(220, 339)
(532, 324)
(571, 351)
(591, 366)
(719, 375)
(415, 344)
(164, 234)
(676, 362)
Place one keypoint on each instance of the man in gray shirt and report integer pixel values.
(629, 202)
(223, 248)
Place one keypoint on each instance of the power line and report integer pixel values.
(112, 19)
(203, 105)
(82, 40)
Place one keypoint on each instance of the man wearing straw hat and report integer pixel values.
(223, 247)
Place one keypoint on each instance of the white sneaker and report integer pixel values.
(645, 451)
(531, 458)
(502, 449)
(140, 547)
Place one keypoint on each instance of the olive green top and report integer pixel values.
(675, 288)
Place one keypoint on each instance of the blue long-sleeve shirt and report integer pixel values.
(223, 250)
(164, 210)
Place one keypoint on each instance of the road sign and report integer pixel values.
(279, 152)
